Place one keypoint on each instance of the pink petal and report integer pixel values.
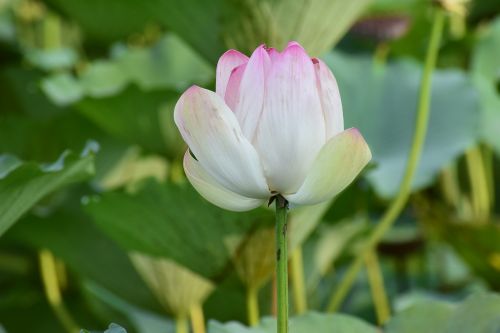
(227, 62)
(293, 43)
(291, 129)
(248, 106)
(273, 54)
(232, 95)
(330, 99)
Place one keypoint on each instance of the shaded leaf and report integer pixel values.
(143, 321)
(210, 27)
(105, 21)
(132, 116)
(29, 182)
(151, 220)
(309, 22)
(478, 245)
(86, 251)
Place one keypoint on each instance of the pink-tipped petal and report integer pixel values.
(293, 43)
(337, 164)
(214, 192)
(214, 136)
(232, 95)
(273, 53)
(330, 99)
(248, 107)
(291, 128)
(227, 62)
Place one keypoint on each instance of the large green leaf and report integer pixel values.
(426, 316)
(382, 101)
(310, 322)
(19, 93)
(33, 128)
(142, 321)
(105, 21)
(23, 184)
(198, 22)
(486, 71)
(30, 138)
(211, 26)
(136, 117)
(86, 251)
(480, 313)
(478, 245)
(16, 308)
(173, 221)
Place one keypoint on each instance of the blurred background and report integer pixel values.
(98, 224)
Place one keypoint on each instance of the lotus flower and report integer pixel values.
(273, 126)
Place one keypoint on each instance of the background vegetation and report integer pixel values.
(98, 224)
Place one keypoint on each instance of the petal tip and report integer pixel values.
(191, 90)
(294, 49)
(231, 52)
(357, 134)
(260, 56)
(293, 43)
(355, 131)
(261, 50)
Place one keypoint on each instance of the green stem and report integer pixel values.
(253, 306)
(399, 202)
(381, 54)
(478, 183)
(53, 293)
(298, 285)
(376, 281)
(488, 166)
(197, 318)
(181, 324)
(282, 263)
(450, 186)
(51, 32)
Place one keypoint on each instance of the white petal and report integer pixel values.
(227, 62)
(251, 92)
(330, 99)
(337, 164)
(212, 191)
(214, 136)
(291, 129)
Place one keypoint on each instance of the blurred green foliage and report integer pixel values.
(91, 170)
